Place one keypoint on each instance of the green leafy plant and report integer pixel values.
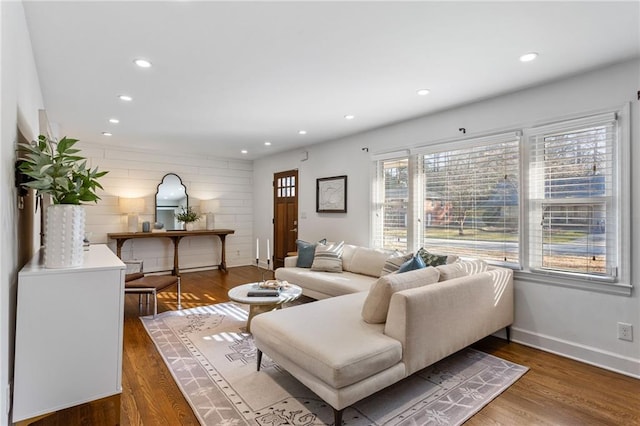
(56, 169)
(187, 215)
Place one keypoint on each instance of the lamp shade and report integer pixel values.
(131, 205)
(209, 206)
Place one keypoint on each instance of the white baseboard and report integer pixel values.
(589, 355)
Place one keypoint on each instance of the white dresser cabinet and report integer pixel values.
(68, 334)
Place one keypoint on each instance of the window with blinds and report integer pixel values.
(394, 175)
(471, 199)
(572, 187)
(553, 203)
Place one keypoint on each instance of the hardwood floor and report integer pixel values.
(555, 391)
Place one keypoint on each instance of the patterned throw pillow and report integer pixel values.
(393, 263)
(328, 258)
(431, 259)
(416, 262)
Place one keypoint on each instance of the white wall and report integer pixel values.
(21, 100)
(136, 173)
(322, 162)
(572, 322)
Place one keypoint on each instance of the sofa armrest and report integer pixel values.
(290, 261)
(439, 319)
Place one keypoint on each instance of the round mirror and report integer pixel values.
(170, 198)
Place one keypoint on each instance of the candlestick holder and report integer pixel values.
(260, 269)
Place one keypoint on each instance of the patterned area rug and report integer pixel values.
(213, 361)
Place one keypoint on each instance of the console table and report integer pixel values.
(175, 237)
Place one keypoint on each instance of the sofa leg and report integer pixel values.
(258, 359)
(337, 417)
(508, 330)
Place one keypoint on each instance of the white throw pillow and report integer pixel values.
(451, 271)
(461, 268)
(376, 305)
(328, 258)
(473, 266)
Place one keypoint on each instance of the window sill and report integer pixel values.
(607, 287)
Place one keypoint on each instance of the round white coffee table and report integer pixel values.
(258, 305)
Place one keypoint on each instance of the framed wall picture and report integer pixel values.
(331, 194)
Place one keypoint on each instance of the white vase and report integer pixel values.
(63, 236)
(188, 226)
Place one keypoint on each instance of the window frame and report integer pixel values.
(619, 282)
(472, 144)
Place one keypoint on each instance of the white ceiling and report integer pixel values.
(228, 76)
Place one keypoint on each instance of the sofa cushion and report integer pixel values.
(320, 285)
(450, 271)
(461, 269)
(368, 261)
(328, 258)
(452, 258)
(376, 305)
(431, 259)
(328, 339)
(347, 255)
(393, 263)
(475, 266)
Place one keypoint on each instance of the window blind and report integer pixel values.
(471, 199)
(394, 199)
(572, 186)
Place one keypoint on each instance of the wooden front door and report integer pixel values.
(285, 215)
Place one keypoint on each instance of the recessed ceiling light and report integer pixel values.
(302, 132)
(107, 134)
(114, 121)
(528, 57)
(423, 92)
(244, 151)
(349, 117)
(142, 63)
(267, 143)
(125, 98)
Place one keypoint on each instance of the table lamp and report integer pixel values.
(208, 207)
(132, 206)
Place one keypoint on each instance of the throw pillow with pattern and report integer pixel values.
(431, 259)
(328, 257)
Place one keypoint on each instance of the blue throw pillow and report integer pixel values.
(306, 253)
(416, 262)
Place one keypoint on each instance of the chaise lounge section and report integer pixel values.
(348, 347)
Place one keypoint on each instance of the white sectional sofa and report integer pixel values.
(347, 347)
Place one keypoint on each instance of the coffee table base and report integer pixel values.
(258, 305)
(259, 309)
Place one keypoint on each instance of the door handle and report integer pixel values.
(293, 230)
